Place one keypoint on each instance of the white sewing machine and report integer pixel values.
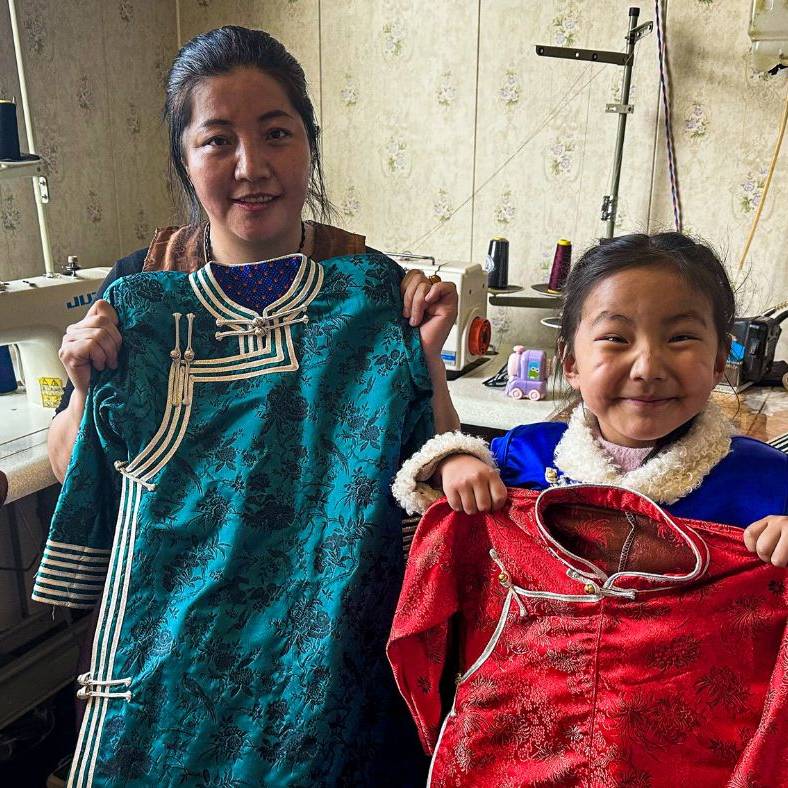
(34, 315)
(469, 338)
(769, 35)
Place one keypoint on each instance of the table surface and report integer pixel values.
(23, 445)
(760, 411)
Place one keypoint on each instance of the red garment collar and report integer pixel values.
(622, 583)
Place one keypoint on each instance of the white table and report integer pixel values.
(23, 445)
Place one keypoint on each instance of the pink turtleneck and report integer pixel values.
(626, 457)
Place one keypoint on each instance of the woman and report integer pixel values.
(252, 578)
(239, 231)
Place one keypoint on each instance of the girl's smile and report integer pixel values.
(648, 404)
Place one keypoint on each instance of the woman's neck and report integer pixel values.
(230, 250)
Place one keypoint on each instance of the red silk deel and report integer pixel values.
(601, 643)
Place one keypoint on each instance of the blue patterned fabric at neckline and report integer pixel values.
(256, 285)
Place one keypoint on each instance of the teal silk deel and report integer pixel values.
(227, 506)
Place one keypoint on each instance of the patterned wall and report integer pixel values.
(422, 110)
(441, 127)
(726, 119)
(95, 73)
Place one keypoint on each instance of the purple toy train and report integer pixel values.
(527, 370)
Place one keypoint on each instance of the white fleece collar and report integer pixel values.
(673, 474)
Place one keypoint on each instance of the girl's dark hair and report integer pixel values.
(694, 261)
(219, 52)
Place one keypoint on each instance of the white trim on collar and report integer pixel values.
(306, 283)
(643, 506)
(673, 474)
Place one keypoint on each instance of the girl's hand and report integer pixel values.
(92, 342)
(433, 306)
(470, 485)
(768, 537)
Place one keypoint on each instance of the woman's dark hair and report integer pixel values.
(694, 261)
(219, 52)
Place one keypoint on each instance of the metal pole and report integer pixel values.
(622, 124)
(42, 223)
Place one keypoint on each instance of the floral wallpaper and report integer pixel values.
(294, 22)
(95, 74)
(441, 128)
(394, 88)
(726, 118)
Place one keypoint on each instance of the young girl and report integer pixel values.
(644, 338)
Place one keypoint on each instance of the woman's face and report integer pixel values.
(247, 153)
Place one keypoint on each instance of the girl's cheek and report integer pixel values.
(603, 365)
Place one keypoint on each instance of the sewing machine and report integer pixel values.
(769, 35)
(34, 315)
(469, 338)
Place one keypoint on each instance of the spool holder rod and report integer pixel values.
(623, 108)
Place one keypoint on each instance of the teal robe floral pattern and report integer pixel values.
(227, 506)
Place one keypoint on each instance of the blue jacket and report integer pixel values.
(749, 483)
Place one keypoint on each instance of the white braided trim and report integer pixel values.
(409, 487)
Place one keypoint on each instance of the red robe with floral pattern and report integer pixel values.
(601, 643)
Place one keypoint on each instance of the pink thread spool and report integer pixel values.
(561, 263)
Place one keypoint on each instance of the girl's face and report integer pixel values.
(247, 153)
(646, 354)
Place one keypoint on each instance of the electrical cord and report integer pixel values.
(562, 103)
(766, 185)
(664, 81)
(498, 380)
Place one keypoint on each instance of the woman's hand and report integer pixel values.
(432, 306)
(768, 537)
(471, 485)
(92, 342)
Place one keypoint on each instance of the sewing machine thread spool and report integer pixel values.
(498, 253)
(9, 132)
(561, 263)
